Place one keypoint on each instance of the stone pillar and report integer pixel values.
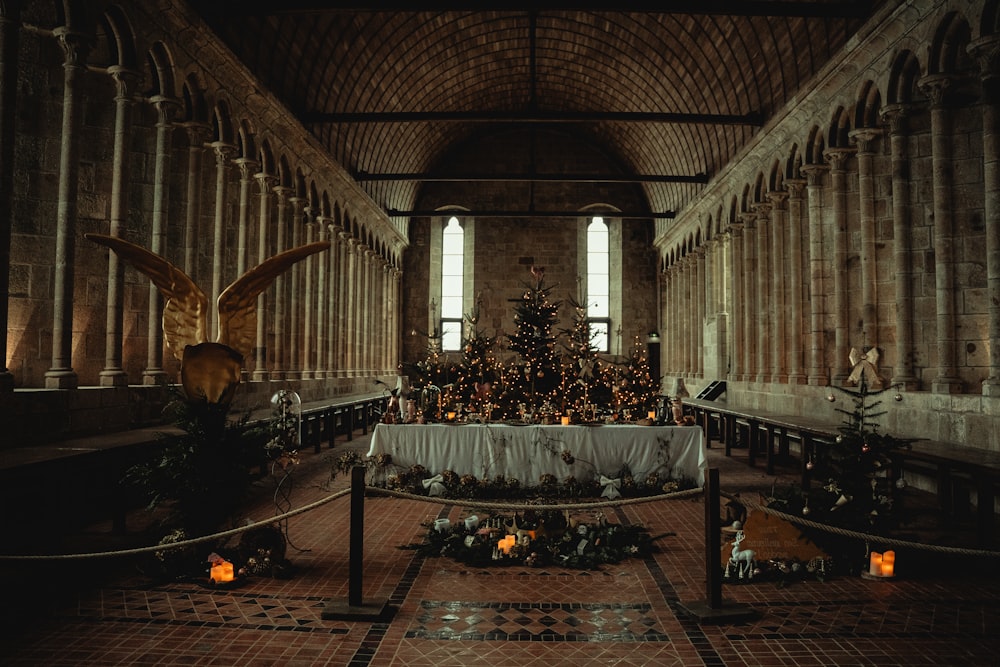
(10, 23)
(280, 328)
(344, 283)
(779, 286)
(699, 294)
(222, 151)
(333, 271)
(247, 168)
(987, 51)
(322, 226)
(308, 302)
(153, 373)
(397, 304)
(816, 365)
(295, 290)
(683, 312)
(795, 299)
(837, 157)
(113, 375)
(61, 374)
(365, 314)
(198, 134)
(264, 184)
(935, 86)
(865, 139)
(734, 342)
(902, 243)
(750, 269)
(350, 348)
(763, 279)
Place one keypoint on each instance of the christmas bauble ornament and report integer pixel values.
(898, 397)
(900, 483)
(541, 374)
(840, 439)
(831, 398)
(865, 448)
(805, 511)
(810, 465)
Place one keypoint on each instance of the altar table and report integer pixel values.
(527, 452)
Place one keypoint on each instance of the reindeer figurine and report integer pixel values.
(741, 559)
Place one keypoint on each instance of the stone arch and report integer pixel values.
(903, 75)
(116, 40)
(161, 71)
(840, 127)
(266, 158)
(246, 140)
(947, 52)
(868, 105)
(775, 178)
(284, 172)
(222, 123)
(299, 183)
(193, 96)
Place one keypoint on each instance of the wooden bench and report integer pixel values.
(953, 464)
(768, 434)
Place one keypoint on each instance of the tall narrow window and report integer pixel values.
(452, 278)
(598, 283)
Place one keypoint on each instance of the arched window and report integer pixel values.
(599, 283)
(452, 282)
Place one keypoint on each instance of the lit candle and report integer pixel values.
(875, 564)
(442, 525)
(222, 571)
(888, 563)
(565, 420)
(652, 414)
(451, 416)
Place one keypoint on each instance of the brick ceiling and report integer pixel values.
(673, 90)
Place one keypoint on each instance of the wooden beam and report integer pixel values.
(641, 215)
(699, 179)
(319, 118)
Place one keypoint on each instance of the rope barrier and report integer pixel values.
(178, 545)
(867, 537)
(466, 502)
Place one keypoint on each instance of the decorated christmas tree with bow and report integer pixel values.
(536, 378)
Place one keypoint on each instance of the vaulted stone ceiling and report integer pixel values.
(672, 89)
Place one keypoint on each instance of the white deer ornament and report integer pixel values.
(741, 560)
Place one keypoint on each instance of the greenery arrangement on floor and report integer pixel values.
(536, 539)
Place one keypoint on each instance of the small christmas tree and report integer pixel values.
(477, 373)
(637, 390)
(583, 383)
(857, 492)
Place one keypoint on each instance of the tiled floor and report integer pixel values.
(444, 613)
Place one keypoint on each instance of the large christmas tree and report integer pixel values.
(536, 377)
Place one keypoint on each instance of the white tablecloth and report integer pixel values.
(527, 452)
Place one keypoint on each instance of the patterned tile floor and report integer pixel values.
(444, 613)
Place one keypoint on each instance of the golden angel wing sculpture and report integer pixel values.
(865, 365)
(210, 371)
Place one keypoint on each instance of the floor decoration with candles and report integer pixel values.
(536, 539)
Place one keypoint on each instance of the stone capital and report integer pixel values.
(814, 173)
(246, 167)
(223, 151)
(838, 157)
(795, 187)
(936, 87)
(75, 46)
(864, 138)
(895, 115)
(125, 80)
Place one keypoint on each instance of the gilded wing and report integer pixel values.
(238, 302)
(185, 305)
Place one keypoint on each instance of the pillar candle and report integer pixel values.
(875, 564)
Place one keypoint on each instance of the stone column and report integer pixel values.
(779, 286)
(247, 168)
(763, 279)
(865, 139)
(699, 299)
(816, 365)
(222, 151)
(264, 184)
(279, 354)
(309, 301)
(344, 283)
(295, 290)
(350, 348)
(795, 299)
(987, 51)
(734, 343)
(333, 270)
(935, 86)
(113, 375)
(683, 314)
(837, 157)
(902, 243)
(750, 331)
(10, 23)
(365, 314)
(61, 374)
(198, 134)
(153, 373)
(394, 343)
(322, 226)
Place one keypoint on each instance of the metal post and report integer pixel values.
(713, 545)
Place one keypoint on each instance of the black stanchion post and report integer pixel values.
(713, 545)
(714, 609)
(357, 608)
